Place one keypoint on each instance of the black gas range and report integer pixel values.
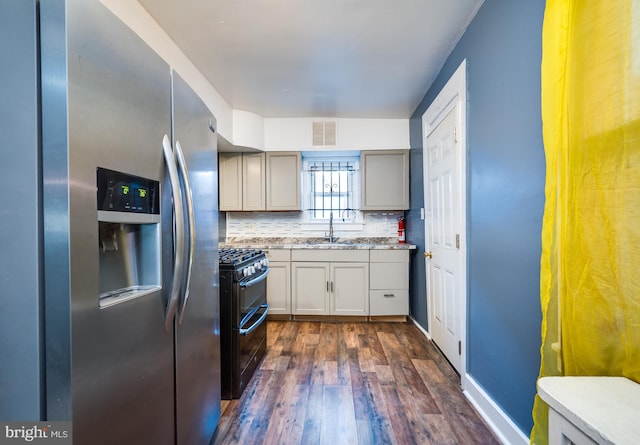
(243, 313)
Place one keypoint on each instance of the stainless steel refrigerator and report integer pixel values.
(108, 232)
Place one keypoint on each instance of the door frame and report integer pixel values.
(452, 94)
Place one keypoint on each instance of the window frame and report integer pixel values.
(308, 222)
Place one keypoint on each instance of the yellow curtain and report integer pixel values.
(590, 265)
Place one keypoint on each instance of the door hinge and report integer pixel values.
(455, 134)
(457, 240)
(459, 348)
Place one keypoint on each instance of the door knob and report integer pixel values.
(428, 254)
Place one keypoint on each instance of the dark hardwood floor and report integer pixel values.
(351, 383)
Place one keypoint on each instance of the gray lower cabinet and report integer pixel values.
(279, 281)
(330, 282)
(389, 283)
(338, 282)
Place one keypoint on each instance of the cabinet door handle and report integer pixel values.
(332, 286)
(327, 286)
(389, 295)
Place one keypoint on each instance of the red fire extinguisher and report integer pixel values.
(401, 234)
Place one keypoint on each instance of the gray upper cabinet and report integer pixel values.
(283, 180)
(385, 179)
(260, 181)
(242, 181)
(230, 171)
(253, 181)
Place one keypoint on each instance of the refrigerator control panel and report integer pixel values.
(122, 192)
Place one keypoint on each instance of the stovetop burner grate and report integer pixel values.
(232, 256)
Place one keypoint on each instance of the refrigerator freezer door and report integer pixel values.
(114, 376)
(198, 335)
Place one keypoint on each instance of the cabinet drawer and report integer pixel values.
(330, 255)
(389, 276)
(389, 256)
(389, 302)
(278, 254)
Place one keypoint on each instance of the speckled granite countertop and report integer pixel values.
(317, 243)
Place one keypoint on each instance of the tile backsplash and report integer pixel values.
(290, 225)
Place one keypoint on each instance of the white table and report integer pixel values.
(592, 410)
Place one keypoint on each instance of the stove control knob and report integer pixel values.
(245, 271)
(258, 265)
(265, 262)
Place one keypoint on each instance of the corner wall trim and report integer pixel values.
(502, 426)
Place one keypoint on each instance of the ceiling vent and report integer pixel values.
(324, 134)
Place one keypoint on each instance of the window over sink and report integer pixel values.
(331, 188)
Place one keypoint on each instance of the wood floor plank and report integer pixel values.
(468, 427)
(262, 412)
(344, 371)
(330, 373)
(429, 372)
(350, 333)
(338, 417)
(327, 346)
(313, 418)
(382, 431)
(281, 416)
(419, 412)
(353, 383)
(395, 357)
(378, 356)
(294, 427)
(249, 407)
(305, 365)
(365, 360)
(403, 430)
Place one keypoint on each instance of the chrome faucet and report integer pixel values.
(330, 238)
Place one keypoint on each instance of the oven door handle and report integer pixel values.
(246, 284)
(258, 321)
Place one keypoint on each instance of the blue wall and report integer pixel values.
(21, 328)
(505, 192)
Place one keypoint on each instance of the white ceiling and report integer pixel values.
(317, 58)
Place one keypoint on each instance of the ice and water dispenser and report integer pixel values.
(129, 236)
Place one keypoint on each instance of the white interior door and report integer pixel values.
(442, 202)
(445, 198)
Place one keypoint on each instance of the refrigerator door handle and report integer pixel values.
(192, 230)
(178, 207)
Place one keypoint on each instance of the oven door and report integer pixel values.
(252, 293)
(252, 326)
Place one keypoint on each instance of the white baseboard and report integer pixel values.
(424, 331)
(503, 427)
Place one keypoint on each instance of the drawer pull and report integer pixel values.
(389, 295)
